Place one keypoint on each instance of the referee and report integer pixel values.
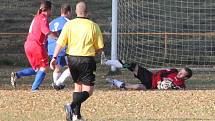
(84, 40)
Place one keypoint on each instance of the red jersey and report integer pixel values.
(39, 29)
(35, 44)
(170, 74)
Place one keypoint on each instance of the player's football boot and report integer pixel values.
(129, 66)
(77, 118)
(13, 79)
(69, 112)
(58, 87)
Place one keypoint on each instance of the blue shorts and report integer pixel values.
(61, 60)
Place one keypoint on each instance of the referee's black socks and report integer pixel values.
(78, 98)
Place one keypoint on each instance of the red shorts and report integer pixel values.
(37, 54)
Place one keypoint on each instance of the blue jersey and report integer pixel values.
(56, 25)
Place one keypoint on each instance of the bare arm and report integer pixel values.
(57, 50)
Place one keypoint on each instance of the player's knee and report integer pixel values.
(44, 69)
(78, 87)
(89, 89)
(57, 69)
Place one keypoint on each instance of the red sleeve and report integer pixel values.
(44, 25)
(164, 73)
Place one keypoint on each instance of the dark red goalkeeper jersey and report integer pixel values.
(167, 73)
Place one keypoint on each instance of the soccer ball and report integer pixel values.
(166, 84)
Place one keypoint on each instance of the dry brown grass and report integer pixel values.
(106, 104)
(109, 105)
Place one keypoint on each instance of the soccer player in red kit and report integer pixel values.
(162, 79)
(35, 47)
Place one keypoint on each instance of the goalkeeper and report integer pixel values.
(162, 79)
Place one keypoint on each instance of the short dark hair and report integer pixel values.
(65, 8)
(44, 6)
(189, 72)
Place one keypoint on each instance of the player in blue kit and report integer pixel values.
(57, 25)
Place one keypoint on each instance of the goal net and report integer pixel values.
(167, 33)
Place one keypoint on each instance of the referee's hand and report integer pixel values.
(53, 63)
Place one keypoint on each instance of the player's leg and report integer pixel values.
(21, 73)
(59, 83)
(56, 73)
(69, 107)
(72, 108)
(144, 75)
(77, 106)
(61, 62)
(63, 77)
(40, 63)
(34, 54)
(39, 78)
(78, 98)
(25, 72)
(120, 64)
(86, 66)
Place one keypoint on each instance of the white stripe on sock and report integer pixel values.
(56, 76)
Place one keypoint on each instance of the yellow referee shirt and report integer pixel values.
(82, 37)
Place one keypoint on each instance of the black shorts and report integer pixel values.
(82, 69)
(145, 76)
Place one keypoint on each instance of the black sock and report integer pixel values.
(130, 66)
(74, 99)
(77, 110)
(82, 96)
(78, 98)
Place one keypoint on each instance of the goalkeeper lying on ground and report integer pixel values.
(162, 79)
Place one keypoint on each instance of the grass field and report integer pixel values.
(110, 105)
(197, 103)
(107, 104)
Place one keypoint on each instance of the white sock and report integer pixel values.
(63, 77)
(118, 83)
(56, 76)
(114, 63)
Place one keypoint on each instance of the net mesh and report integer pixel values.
(167, 33)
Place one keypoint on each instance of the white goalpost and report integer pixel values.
(164, 33)
(114, 33)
